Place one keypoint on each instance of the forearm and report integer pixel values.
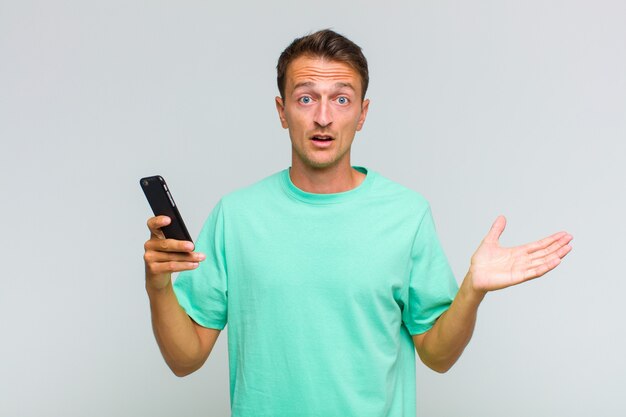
(492, 268)
(444, 343)
(175, 332)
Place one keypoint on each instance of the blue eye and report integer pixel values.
(305, 100)
(342, 100)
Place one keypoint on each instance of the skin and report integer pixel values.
(184, 344)
(324, 98)
(492, 268)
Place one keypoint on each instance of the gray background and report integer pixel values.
(485, 107)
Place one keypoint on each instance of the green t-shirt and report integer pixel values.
(321, 293)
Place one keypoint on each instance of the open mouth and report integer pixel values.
(322, 138)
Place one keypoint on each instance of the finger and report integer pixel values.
(562, 252)
(553, 247)
(496, 230)
(536, 263)
(168, 245)
(540, 267)
(157, 268)
(156, 223)
(154, 256)
(544, 243)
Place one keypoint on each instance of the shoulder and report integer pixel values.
(386, 189)
(254, 193)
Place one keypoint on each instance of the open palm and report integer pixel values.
(494, 267)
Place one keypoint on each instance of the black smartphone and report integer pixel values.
(160, 198)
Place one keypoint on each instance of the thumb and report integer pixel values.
(496, 230)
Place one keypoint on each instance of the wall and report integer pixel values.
(484, 107)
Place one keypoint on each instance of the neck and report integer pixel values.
(328, 180)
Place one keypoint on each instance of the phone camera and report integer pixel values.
(144, 183)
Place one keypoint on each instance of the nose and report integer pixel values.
(323, 114)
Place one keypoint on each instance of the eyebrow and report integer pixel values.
(311, 84)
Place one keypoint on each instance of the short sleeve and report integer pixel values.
(432, 285)
(202, 292)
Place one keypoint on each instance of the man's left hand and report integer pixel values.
(494, 267)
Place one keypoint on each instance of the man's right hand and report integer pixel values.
(185, 345)
(163, 256)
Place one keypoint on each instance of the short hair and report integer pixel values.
(325, 44)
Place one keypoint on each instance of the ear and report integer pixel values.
(280, 107)
(364, 107)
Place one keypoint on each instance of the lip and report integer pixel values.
(322, 143)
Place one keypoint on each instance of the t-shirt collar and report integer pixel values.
(330, 198)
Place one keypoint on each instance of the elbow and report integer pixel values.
(180, 373)
(439, 365)
(181, 370)
(440, 362)
(440, 368)
(184, 364)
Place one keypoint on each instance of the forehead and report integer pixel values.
(318, 70)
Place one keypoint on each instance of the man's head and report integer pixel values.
(322, 80)
(328, 45)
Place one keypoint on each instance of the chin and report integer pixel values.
(320, 165)
(316, 162)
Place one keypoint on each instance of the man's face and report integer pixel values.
(323, 110)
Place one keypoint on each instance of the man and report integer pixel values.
(329, 276)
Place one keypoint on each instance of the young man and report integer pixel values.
(329, 276)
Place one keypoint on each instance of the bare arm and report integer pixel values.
(184, 344)
(492, 268)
